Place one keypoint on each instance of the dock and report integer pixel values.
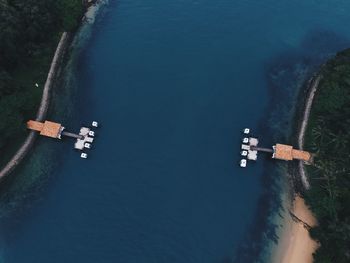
(47, 128)
(55, 130)
(250, 150)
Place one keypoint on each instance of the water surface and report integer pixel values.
(172, 83)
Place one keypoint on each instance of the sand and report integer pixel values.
(295, 245)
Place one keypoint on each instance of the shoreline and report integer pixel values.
(54, 72)
(295, 244)
(26, 146)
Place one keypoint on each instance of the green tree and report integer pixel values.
(70, 11)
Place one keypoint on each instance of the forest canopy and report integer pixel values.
(29, 33)
(329, 137)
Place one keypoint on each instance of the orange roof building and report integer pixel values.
(287, 153)
(47, 128)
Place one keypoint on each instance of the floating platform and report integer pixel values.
(248, 144)
(253, 141)
(81, 142)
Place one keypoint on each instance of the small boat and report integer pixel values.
(243, 163)
(244, 153)
(245, 140)
(245, 147)
(87, 145)
(94, 124)
(91, 133)
(84, 155)
(246, 131)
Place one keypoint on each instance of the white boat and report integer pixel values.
(243, 163)
(87, 145)
(94, 124)
(246, 131)
(89, 139)
(244, 153)
(245, 147)
(245, 140)
(91, 133)
(84, 155)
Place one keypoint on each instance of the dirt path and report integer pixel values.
(43, 108)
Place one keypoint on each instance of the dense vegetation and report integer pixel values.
(328, 135)
(29, 33)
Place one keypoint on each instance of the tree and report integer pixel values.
(70, 11)
(11, 118)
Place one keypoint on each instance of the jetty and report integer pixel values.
(250, 150)
(55, 130)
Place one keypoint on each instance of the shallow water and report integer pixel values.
(173, 83)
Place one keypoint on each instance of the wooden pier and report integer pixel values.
(47, 128)
(279, 151)
(56, 130)
(287, 153)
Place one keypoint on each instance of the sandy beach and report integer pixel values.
(295, 244)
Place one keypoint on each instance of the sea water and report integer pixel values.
(172, 83)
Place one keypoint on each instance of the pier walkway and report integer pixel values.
(260, 149)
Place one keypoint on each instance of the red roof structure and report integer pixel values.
(48, 128)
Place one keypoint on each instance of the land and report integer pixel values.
(29, 33)
(43, 108)
(317, 228)
(295, 244)
(328, 136)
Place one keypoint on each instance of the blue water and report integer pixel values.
(172, 83)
